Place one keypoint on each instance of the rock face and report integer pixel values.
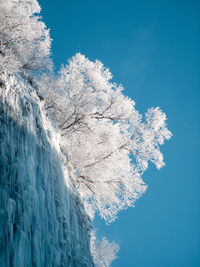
(42, 222)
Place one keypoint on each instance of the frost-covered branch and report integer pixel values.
(24, 40)
(101, 133)
(103, 252)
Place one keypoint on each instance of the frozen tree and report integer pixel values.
(106, 141)
(103, 252)
(24, 39)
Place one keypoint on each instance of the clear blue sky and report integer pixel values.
(153, 49)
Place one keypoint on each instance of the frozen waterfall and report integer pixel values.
(42, 222)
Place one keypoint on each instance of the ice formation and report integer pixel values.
(42, 222)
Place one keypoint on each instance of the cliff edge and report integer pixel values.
(42, 222)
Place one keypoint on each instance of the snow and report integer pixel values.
(42, 221)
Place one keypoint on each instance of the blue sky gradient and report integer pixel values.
(153, 49)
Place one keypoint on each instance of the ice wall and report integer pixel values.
(42, 222)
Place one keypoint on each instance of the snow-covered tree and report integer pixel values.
(103, 252)
(24, 39)
(106, 141)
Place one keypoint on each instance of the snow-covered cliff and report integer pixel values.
(42, 222)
